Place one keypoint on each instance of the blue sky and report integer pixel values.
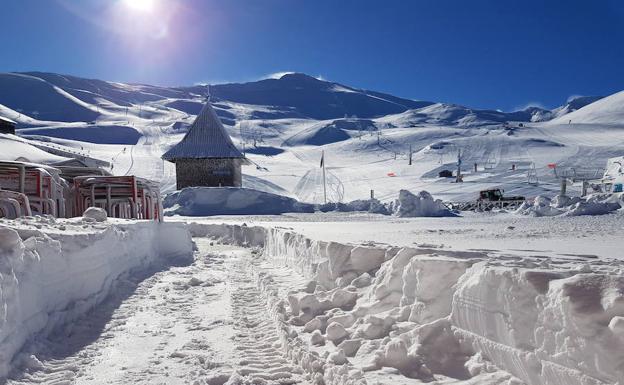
(500, 54)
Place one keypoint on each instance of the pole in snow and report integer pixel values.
(459, 162)
(324, 180)
(410, 155)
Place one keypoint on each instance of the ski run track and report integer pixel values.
(201, 303)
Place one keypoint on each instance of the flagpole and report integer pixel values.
(324, 180)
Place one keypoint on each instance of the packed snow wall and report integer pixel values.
(439, 312)
(52, 272)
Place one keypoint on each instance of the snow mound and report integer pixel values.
(407, 205)
(206, 201)
(318, 135)
(373, 206)
(595, 204)
(96, 214)
(420, 205)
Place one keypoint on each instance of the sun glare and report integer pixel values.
(140, 5)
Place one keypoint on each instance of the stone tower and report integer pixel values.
(206, 155)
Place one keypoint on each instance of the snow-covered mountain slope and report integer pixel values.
(574, 104)
(608, 110)
(39, 99)
(64, 98)
(313, 98)
(455, 115)
(15, 148)
(273, 122)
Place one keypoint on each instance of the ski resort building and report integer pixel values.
(7, 126)
(206, 155)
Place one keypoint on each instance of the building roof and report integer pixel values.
(4, 119)
(206, 138)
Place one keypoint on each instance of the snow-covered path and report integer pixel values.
(257, 341)
(194, 324)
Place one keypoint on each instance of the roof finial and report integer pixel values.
(208, 93)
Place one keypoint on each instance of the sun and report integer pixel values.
(140, 5)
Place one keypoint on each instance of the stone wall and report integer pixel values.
(208, 172)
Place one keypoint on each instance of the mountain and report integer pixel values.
(63, 98)
(574, 104)
(39, 99)
(313, 98)
(442, 114)
(284, 125)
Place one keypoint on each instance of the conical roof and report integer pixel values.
(206, 138)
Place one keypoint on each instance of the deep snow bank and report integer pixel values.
(376, 313)
(52, 272)
(205, 201)
(594, 204)
(406, 205)
(419, 205)
(373, 206)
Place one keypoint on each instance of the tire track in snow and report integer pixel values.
(257, 341)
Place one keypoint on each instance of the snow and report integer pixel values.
(437, 314)
(594, 204)
(318, 134)
(607, 111)
(95, 213)
(55, 271)
(206, 201)
(326, 132)
(420, 205)
(295, 306)
(13, 149)
(206, 138)
(211, 201)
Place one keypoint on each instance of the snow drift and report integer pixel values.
(594, 204)
(205, 201)
(420, 205)
(52, 272)
(443, 315)
(373, 206)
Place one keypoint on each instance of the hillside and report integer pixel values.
(284, 124)
(63, 98)
(608, 111)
